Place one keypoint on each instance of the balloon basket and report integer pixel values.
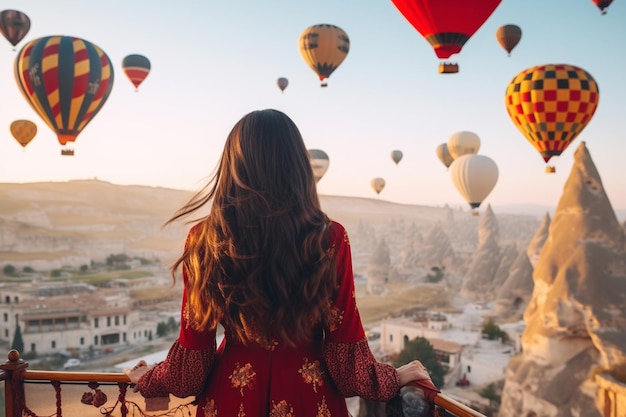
(448, 68)
(475, 213)
(550, 169)
(324, 85)
(67, 152)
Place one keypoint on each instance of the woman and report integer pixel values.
(268, 265)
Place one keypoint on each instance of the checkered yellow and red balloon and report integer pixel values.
(551, 104)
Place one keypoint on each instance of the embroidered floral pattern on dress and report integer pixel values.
(335, 318)
(312, 373)
(187, 316)
(209, 409)
(322, 409)
(282, 409)
(330, 252)
(242, 376)
(346, 238)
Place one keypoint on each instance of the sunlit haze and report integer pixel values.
(214, 61)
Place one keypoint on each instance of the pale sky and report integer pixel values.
(214, 61)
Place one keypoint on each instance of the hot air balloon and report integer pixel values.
(474, 176)
(378, 184)
(14, 25)
(319, 163)
(551, 104)
(508, 37)
(602, 4)
(23, 131)
(324, 47)
(396, 156)
(462, 143)
(446, 25)
(66, 80)
(282, 83)
(136, 67)
(444, 154)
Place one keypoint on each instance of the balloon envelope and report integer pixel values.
(508, 36)
(602, 4)
(378, 184)
(14, 25)
(474, 176)
(136, 67)
(446, 24)
(396, 156)
(282, 83)
(66, 80)
(444, 154)
(324, 47)
(463, 143)
(23, 131)
(551, 104)
(319, 163)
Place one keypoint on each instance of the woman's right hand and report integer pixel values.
(412, 371)
(137, 371)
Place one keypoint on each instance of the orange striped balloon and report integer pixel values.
(66, 80)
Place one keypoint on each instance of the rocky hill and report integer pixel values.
(51, 224)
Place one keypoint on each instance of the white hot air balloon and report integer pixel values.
(319, 163)
(444, 154)
(378, 184)
(474, 176)
(463, 143)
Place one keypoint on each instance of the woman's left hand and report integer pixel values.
(412, 371)
(137, 371)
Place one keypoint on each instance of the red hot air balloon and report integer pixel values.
(602, 4)
(446, 24)
(66, 80)
(136, 67)
(14, 25)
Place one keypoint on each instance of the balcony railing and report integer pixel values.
(55, 393)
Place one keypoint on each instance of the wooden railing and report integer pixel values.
(16, 376)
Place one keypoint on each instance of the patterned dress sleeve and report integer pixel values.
(349, 360)
(184, 371)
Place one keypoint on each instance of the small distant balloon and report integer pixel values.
(378, 184)
(319, 163)
(324, 47)
(444, 154)
(508, 37)
(463, 143)
(14, 25)
(136, 67)
(23, 131)
(282, 83)
(602, 4)
(396, 156)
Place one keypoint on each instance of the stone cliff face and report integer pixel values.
(378, 268)
(488, 226)
(514, 294)
(575, 322)
(533, 250)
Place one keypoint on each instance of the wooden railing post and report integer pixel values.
(14, 384)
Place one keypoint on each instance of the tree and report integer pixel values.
(9, 270)
(28, 269)
(436, 275)
(493, 331)
(490, 392)
(421, 349)
(18, 342)
(84, 268)
(161, 329)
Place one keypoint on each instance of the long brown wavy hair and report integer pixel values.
(257, 263)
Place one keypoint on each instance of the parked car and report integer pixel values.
(71, 363)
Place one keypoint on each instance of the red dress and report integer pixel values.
(311, 380)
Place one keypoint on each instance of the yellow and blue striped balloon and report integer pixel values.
(66, 80)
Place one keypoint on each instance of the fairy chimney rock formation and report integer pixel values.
(478, 279)
(514, 294)
(538, 240)
(437, 249)
(378, 268)
(575, 322)
(488, 226)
